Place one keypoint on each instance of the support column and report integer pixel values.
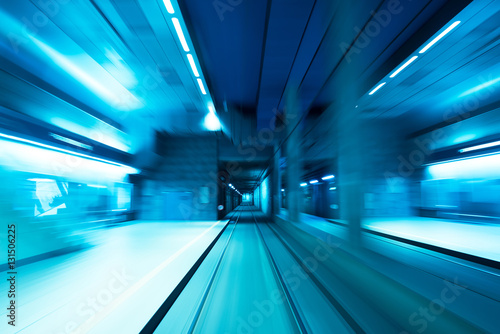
(351, 176)
(276, 182)
(293, 163)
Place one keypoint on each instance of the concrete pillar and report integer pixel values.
(276, 182)
(350, 175)
(293, 163)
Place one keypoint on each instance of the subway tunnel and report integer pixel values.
(250, 166)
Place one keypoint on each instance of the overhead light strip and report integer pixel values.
(211, 118)
(168, 5)
(193, 65)
(54, 148)
(180, 33)
(377, 88)
(202, 87)
(479, 147)
(423, 50)
(405, 65)
(440, 36)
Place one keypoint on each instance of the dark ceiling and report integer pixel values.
(253, 51)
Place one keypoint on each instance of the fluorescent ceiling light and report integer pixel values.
(168, 5)
(54, 148)
(303, 184)
(313, 181)
(328, 177)
(333, 188)
(40, 180)
(180, 34)
(282, 189)
(202, 87)
(193, 65)
(96, 186)
(438, 37)
(479, 147)
(405, 65)
(478, 88)
(377, 88)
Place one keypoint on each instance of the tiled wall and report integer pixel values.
(189, 165)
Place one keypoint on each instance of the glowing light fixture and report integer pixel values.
(130, 170)
(328, 177)
(402, 67)
(303, 184)
(40, 180)
(313, 181)
(168, 5)
(193, 65)
(440, 36)
(180, 34)
(212, 122)
(377, 88)
(96, 186)
(202, 87)
(479, 147)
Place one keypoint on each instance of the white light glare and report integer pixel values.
(282, 189)
(377, 88)
(130, 170)
(313, 181)
(202, 87)
(212, 122)
(96, 186)
(168, 5)
(193, 65)
(328, 177)
(405, 65)
(40, 180)
(479, 147)
(438, 37)
(303, 184)
(180, 34)
(105, 86)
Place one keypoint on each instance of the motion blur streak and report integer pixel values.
(249, 167)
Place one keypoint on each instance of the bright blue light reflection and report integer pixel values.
(480, 87)
(483, 167)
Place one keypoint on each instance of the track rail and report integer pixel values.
(281, 280)
(332, 299)
(156, 319)
(214, 273)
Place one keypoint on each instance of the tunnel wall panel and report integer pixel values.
(189, 165)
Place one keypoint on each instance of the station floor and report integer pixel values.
(113, 287)
(253, 280)
(480, 240)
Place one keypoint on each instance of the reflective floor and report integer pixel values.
(253, 276)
